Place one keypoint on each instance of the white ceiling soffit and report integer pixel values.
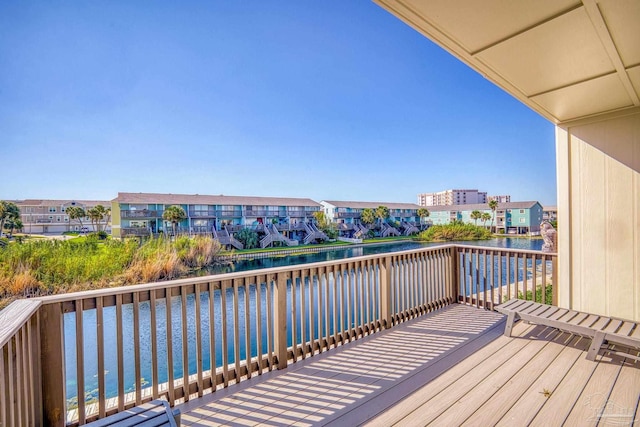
(566, 59)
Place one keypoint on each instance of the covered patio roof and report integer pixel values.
(566, 59)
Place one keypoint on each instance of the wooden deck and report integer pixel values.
(451, 367)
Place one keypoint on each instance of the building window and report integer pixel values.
(522, 220)
(52, 209)
(521, 211)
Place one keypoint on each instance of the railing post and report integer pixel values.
(52, 365)
(280, 317)
(455, 276)
(554, 280)
(385, 292)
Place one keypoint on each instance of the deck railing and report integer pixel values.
(116, 348)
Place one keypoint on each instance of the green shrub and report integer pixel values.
(548, 298)
(454, 231)
(248, 238)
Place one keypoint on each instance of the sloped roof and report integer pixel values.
(370, 205)
(482, 206)
(60, 202)
(199, 199)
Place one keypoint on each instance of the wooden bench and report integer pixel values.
(150, 414)
(603, 331)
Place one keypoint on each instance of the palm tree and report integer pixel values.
(423, 213)
(476, 215)
(321, 219)
(8, 211)
(486, 216)
(174, 214)
(97, 214)
(76, 213)
(493, 205)
(367, 216)
(382, 213)
(13, 224)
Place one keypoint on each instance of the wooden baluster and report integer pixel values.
(294, 316)
(198, 322)
(326, 336)
(337, 304)
(154, 343)
(185, 343)
(312, 311)
(102, 403)
(136, 347)
(303, 313)
(79, 362)
(170, 372)
(247, 326)
(259, 325)
(212, 337)
(270, 331)
(236, 328)
(500, 277)
(508, 274)
(543, 279)
(484, 278)
(534, 277)
(225, 341)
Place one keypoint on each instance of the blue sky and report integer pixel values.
(330, 100)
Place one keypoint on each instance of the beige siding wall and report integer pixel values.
(599, 216)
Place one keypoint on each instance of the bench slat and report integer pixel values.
(613, 326)
(625, 329)
(154, 413)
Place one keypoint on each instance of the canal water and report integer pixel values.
(109, 316)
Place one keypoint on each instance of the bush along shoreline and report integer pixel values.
(52, 266)
(454, 231)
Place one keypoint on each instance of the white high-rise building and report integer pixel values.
(458, 197)
(452, 197)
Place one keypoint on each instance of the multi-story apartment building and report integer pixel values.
(49, 216)
(504, 198)
(512, 217)
(347, 214)
(141, 213)
(550, 213)
(452, 197)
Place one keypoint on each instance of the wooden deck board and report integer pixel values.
(498, 390)
(508, 395)
(595, 393)
(450, 367)
(538, 394)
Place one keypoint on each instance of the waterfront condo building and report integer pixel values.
(403, 217)
(511, 218)
(141, 213)
(49, 216)
(452, 197)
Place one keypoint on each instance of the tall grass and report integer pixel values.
(454, 231)
(51, 266)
